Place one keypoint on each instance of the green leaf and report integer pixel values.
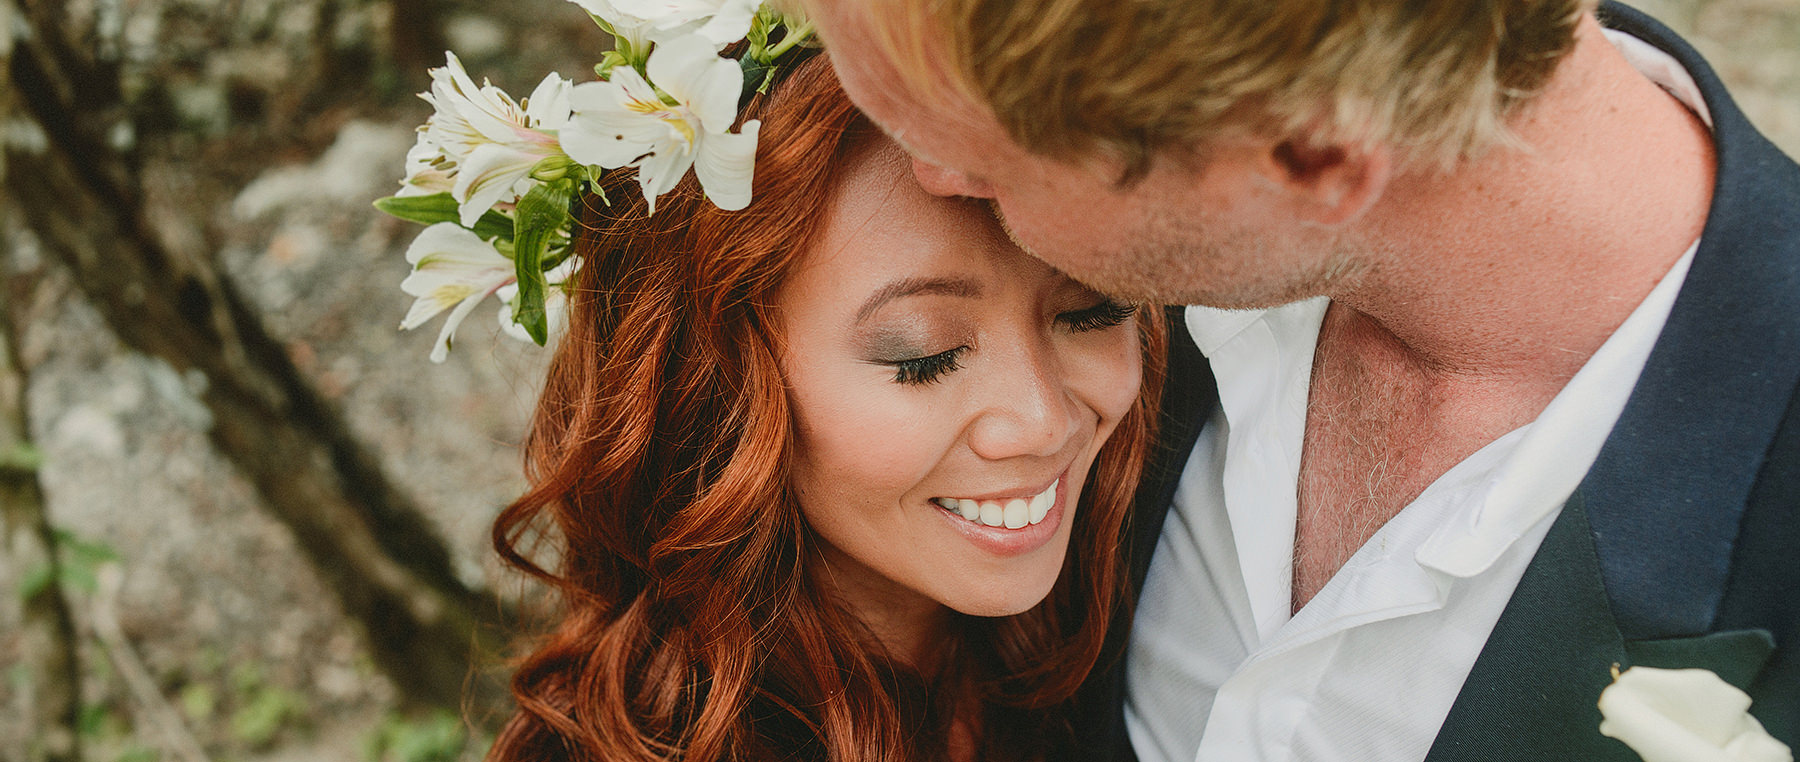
(757, 76)
(199, 701)
(247, 678)
(438, 737)
(84, 551)
(425, 210)
(36, 580)
(93, 719)
(605, 26)
(267, 712)
(23, 457)
(80, 560)
(441, 207)
(541, 214)
(759, 36)
(81, 578)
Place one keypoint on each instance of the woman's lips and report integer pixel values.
(1036, 517)
(1012, 513)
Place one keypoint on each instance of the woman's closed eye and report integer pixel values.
(928, 369)
(918, 371)
(1106, 314)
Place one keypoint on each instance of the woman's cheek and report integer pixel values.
(1109, 373)
(862, 430)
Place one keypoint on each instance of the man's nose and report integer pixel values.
(940, 181)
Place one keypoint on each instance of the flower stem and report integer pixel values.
(792, 38)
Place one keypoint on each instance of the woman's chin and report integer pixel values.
(1002, 607)
(1008, 594)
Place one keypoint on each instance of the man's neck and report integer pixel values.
(1495, 284)
(1518, 265)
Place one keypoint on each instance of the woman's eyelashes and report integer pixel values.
(928, 369)
(1106, 314)
(918, 371)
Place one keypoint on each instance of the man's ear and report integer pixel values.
(1330, 183)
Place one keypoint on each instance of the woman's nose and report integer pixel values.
(1026, 412)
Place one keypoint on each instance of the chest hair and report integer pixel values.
(1380, 428)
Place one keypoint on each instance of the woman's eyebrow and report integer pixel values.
(964, 287)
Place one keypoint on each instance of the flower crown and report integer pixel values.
(494, 178)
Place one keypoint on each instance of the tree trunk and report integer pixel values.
(366, 539)
(415, 34)
(48, 646)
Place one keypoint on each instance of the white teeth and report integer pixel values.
(969, 509)
(1040, 505)
(1017, 514)
(991, 513)
(1012, 513)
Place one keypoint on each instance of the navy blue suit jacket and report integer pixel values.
(1681, 547)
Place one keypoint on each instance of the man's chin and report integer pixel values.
(1231, 278)
(1175, 274)
(1169, 282)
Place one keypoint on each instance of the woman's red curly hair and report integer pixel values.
(659, 458)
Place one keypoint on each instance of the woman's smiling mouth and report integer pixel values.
(1011, 513)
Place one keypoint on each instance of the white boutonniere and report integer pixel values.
(1685, 715)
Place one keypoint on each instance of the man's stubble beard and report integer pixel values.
(1175, 261)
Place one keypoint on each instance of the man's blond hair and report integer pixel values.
(1437, 79)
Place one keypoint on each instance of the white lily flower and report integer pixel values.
(453, 269)
(556, 303)
(720, 22)
(490, 141)
(1685, 715)
(635, 30)
(626, 122)
(425, 173)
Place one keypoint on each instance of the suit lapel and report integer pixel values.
(1667, 494)
(1736, 656)
(1636, 567)
(1531, 693)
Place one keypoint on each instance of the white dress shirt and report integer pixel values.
(1368, 669)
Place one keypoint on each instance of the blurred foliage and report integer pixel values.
(109, 735)
(78, 565)
(437, 737)
(262, 710)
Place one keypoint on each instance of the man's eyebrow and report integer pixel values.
(914, 287)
